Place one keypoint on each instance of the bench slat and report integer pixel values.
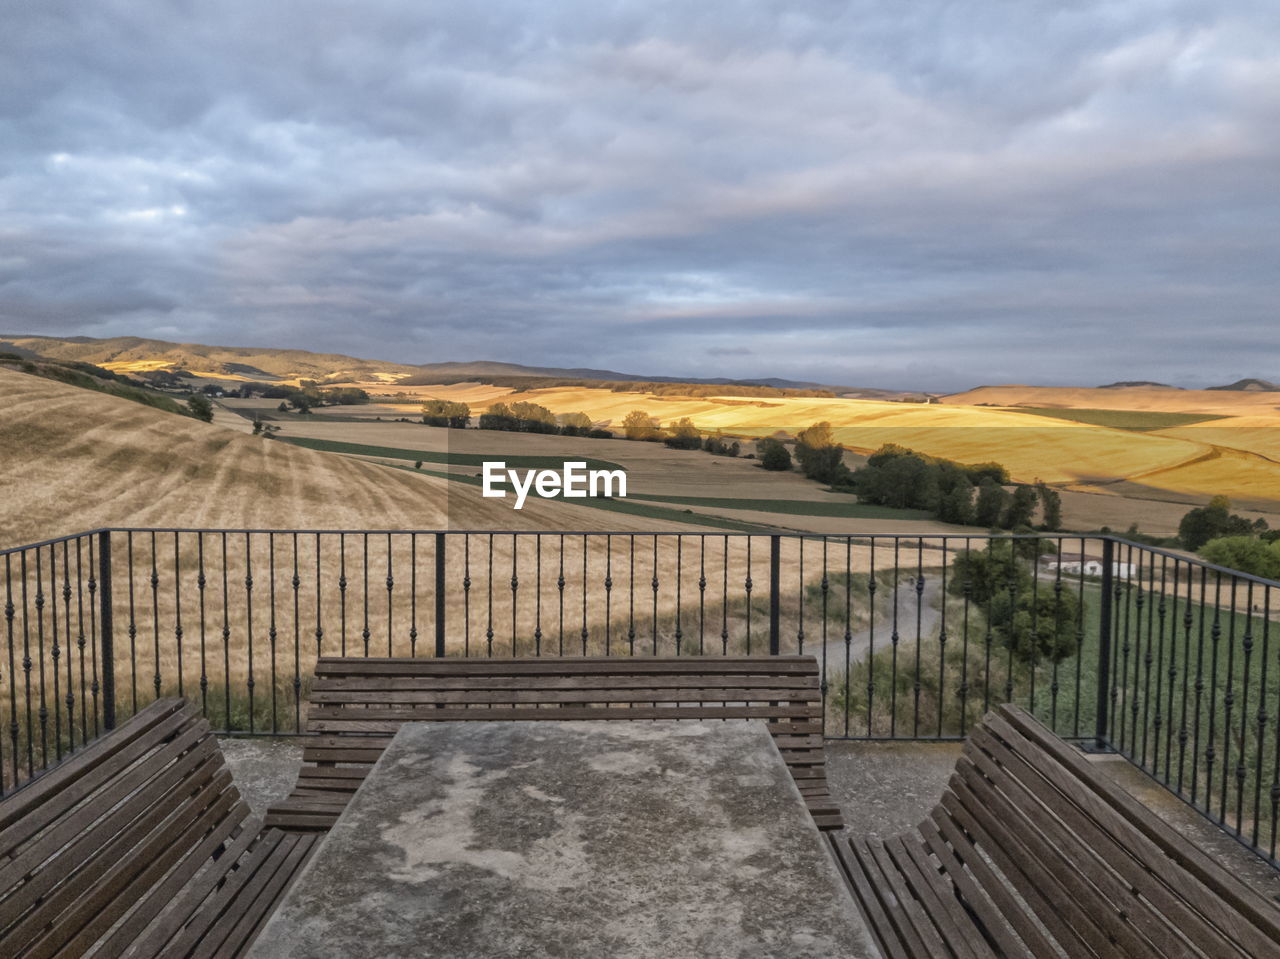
(328, 666)
(1002, 919)
(563, 680)
(914, 862)
(552, 697)
(1258, 910)
(1140, 891)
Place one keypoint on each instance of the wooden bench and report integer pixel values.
(356, 705)
(1034, 851)
(135, 845)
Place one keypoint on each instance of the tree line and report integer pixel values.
(895, 476)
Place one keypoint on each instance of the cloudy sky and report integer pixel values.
(924, 195)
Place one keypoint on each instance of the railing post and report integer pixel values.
(1104, 644)
(440, 537)
(775, 591)
(106, 639)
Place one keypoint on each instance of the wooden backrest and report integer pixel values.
(1102, 873)
(377, 694)
(87, 842)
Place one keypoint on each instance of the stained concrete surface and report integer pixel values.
(572, 839)
(882, 788)
(264, 770)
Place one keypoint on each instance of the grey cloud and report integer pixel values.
(929, 195)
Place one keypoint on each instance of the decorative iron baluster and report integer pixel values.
(413, 595)
(13, 670)
(250, 682)
(177, 611)
(55, 652)
(942, 637)
(133, 628)
(655, 594)
(391, 582)
(584, 595)
(966, 592)
(296, 583)
(66, 625)
(342, 591)
(155, 616)
(365, 634)
(702, 592)
(201, 584)
(679, 580)
(537, 593)
(488, 631)
(608, 594)
(272, 632)
(515, 588)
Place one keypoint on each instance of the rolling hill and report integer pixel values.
(89, 459)
(131, 354)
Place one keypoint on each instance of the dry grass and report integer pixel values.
(76, 461)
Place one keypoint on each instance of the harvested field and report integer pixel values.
(76, 460)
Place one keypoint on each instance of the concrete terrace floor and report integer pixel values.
(882, 788)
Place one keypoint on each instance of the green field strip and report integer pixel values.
(793, 507)
(449, 459)
(1135, 420)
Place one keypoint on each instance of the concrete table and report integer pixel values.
(591, 839)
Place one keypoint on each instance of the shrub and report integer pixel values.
(773, 454)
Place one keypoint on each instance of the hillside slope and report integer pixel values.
(72, 460)
(1168, 400)
(135, 354)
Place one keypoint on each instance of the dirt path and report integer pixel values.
(930, 613)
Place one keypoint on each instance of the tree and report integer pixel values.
(773, 454)
(639, 425)
(1211, 522)
(1051, 508)
(897, 477)
(497, 417)
(533, 418)
(200, 407)
(1244, 553)
(574, 424)
(994, 471)
(683, 435)
(1021, 508)
(446, 413)
(1039, 626)
(956, 505)
(991, 505)
(821, 458)
(986, 573)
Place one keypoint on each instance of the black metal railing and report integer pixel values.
(1155, 655)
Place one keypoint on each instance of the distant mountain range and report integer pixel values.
(432, 372)
(1251, 385)
(1138, 385)
(138, 355)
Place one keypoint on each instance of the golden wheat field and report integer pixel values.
(1191, 463)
